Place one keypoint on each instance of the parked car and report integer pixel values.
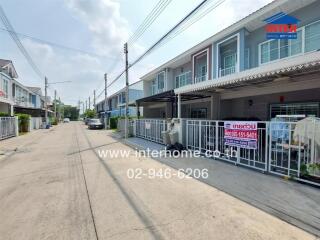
(95, 123)
(66, 120)
(86, 121)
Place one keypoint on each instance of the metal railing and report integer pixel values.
(295, 149)
(7, 127)
(227, 71)
(207, 136)
(150, 129)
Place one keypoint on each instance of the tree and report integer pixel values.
(71, 112)
(90, 113)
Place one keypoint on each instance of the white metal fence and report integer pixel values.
(207, 136)
(150, 129)
(7, 127)
(295, 149)
(36, 123)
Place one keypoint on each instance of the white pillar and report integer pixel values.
(17, 126)
(179, 106)
(211, 107)
(11, 110)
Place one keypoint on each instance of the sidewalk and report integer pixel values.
(290, 201)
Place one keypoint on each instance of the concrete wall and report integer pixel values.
(4, 107)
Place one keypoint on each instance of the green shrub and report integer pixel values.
(3, 114)
(54, 121)
(113, 122)
(23, 122)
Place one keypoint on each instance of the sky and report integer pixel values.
(99, 28)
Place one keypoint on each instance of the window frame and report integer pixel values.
(303, 45)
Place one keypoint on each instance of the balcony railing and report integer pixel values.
(24, 104)
(201, 78)
(227, 71)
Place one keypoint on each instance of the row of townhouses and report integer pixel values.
(116, 104)
(17, 98)
(252, 89)
(239, 74)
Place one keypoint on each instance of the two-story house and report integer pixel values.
(7, 76)
(241, 74)
(116, 103)
(15, 97)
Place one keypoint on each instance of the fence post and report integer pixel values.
(200, 135)
(16, 125)
(266, 148)
(270, 147)
(217, 136)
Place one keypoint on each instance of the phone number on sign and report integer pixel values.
(167, 173)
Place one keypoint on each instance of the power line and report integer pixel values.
(192, 21)
(59, 45)
(152, 16)
(189, 15)
(16, 39)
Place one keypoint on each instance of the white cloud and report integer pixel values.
(109, 30)
(84, 71)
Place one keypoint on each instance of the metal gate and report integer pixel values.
(150, 129)
(207, 136)
(294, 149)
(7, 127)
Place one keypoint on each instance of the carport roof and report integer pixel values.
(257, 75)
(169, 96)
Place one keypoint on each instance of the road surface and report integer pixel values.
(55, 185)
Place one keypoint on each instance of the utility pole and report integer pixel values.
(94, 99)
(127, 90)
(89, 104)
(45, 99)
(86, 105)
(105, 100)
(59, 109)
(55, 104)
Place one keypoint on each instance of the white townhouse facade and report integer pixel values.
(7, 76)
(14, 96)
(239, 74)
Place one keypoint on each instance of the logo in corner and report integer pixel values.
(281, 26)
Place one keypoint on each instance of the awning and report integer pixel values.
(170, 96)
(268, 72)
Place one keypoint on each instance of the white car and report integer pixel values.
(66, 120)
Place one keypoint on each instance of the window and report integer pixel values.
(200, 67)
(183, 79)
(199, 113)
(312, 37)
(305, 108)
(154, 87)
(161, 82)
(280, 48)
(157, 85)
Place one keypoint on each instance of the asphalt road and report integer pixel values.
(55, 185)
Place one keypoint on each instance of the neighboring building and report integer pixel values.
(15, 97)
(7, 76)
(239, 74)
(117, 101)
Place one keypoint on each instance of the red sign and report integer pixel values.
(2, 94)
(243, 134)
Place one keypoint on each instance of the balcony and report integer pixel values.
(227, 71)
(201, 78)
